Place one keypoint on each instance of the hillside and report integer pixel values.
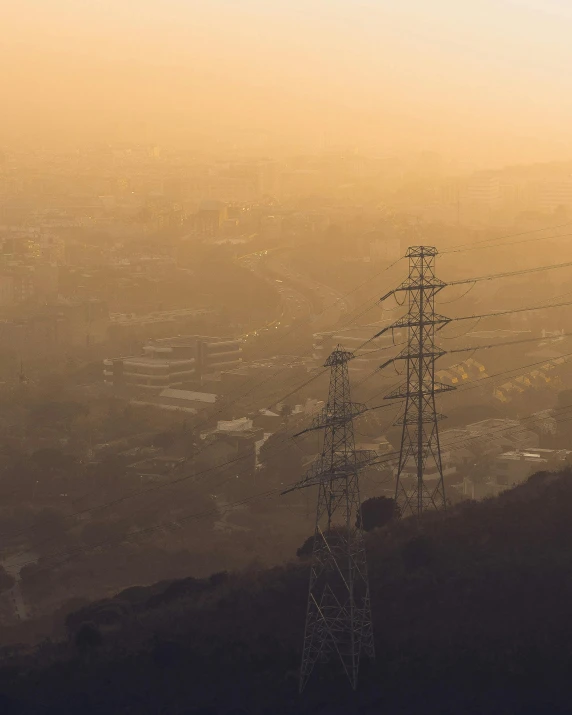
(472, 615)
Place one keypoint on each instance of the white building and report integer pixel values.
(173, 400)
(172, 362)
(512, 468)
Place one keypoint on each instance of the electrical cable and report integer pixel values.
(454, 300)
(227, 404)
(462, 335)
(503, 344)
(508, 274)
(231, 461)
(477, 383)
(511, 310)
(462, 247)
(263, 495)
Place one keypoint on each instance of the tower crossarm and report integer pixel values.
(344, 465)
(407, 321)
(402, 392)
(413, 356)
(330, 418)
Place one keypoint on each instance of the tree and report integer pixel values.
(285, 411)
(335, 533)
(7, 581)
(88, 638)
(306, 549)
(417, 552)
(36, 582)
(377, 512)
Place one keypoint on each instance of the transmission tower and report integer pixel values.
(419, 484)
(338, 615)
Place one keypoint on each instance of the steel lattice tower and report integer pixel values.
(423, 487)
(338, 616)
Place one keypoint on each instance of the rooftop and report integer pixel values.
(534, 455)
(188, 395)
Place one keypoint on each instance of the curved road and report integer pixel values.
(324, 309)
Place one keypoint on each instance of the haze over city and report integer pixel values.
(285, 357)
(482, 82)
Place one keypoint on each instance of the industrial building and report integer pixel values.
(174, 362)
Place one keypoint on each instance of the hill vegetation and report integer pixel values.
(471, 611)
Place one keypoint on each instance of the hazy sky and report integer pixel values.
(490, 80)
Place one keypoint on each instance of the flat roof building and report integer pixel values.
(172, 362)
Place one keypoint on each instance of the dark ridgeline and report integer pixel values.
(471, 615)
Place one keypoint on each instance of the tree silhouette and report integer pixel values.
(6, 580)
(417, 552)
(377, 512)
(87, 639)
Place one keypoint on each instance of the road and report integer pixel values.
(329, 304)
(294, 305)
(324, 309)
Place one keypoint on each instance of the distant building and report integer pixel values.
(173, 400)
(172, 362)
(208, 220)
(483, 190)
(241, 439)
(16, 286)
(466, 371)
(555, 194)
(380, 445)
(267, 420)
(490, 436)
(512, 468)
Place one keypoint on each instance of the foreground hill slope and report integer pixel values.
(472, 611)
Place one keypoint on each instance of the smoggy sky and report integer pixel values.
(485, 80)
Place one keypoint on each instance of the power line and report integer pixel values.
(462, 247)
(503, 344)
(387, 458)
(229, 403)
(154, 488)
(174, 482)
(272, 377)
(477, 383)
(511, 243)
(524, 271)
(528, 309)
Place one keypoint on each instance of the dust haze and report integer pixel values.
(285, 341)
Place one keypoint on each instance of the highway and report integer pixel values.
(323, 305)
(329, 305)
